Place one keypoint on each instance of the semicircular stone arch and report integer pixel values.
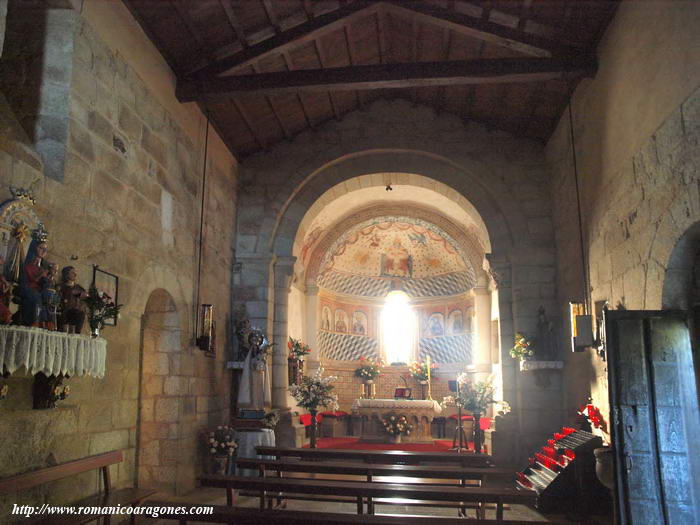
(278, 235)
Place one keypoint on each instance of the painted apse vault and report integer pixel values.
(394, 253)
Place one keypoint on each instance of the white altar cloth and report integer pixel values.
(397, 404)
(52, 353)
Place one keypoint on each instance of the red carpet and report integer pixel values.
(352, 443)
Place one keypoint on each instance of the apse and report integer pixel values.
(432, 314)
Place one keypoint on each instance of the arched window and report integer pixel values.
(399, 328)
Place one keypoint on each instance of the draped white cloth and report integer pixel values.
(52, 353)
(397, 404)
(245, 394)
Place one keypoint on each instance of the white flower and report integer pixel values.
(213, 451)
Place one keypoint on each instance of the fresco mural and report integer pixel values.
(341, 321)
(359, 323)
(455, 322)
(435, 325)
(325, 318)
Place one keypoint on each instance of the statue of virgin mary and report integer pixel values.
(254, 392)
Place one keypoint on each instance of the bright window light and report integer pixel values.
(399, 326)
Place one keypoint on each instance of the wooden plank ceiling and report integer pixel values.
(265, 70)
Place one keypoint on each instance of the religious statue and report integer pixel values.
(254, 392)
(71, 296)
(546, 341)
(49, 299)
(5, 294)
(31, 278)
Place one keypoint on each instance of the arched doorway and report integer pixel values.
(159, 395)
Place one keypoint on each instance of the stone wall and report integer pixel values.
(128, 201)
(637, 144)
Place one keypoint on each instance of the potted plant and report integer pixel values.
(396, 426)
(369, 369)
(475, 397)
(100, 307)
(522, 347)
(313, 392)
(222, 444)
(295, 359)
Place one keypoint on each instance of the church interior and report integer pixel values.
(478, 221)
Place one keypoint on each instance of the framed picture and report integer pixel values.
(105, 282)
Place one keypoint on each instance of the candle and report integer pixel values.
(427, 364)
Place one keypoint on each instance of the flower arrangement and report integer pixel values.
(297, 349)
(4, 389)
(522, 347)
(369, 369)
(271, 419)
(222, 442)
(592, 414)
(100, 307)
(419, 371)
(396, 425)
(474, 396)
(60, 393)
(315, 391)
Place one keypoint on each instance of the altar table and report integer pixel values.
(419, 413)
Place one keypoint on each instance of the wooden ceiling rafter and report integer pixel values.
(289, 64)
(322, 60)
(286, 40)
(446, 48)
(234, 22)
(382, 76)
(359, 95)
(481, 29)
(246, 119)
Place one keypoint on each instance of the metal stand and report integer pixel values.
(459, 430)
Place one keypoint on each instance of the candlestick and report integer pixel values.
(427, 364)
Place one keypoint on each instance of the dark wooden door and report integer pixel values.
(655, 420)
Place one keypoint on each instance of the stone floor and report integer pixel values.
(514, 512)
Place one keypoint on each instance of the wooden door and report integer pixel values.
(655, 419)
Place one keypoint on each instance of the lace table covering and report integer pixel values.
(52, 353)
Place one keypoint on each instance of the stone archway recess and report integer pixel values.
(278, 188)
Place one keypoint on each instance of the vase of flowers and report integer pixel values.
(396, 426)
(369, 369)
(100, 308)
(522, 347)
(419, 372)
(313, 392)
(295, 360)
(475, 397)
(222, 444)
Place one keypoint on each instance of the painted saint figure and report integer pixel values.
(30, 281)
(72, 295)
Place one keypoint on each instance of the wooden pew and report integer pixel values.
(125, 497)
(362, 490)
(370, 472)
(249, 516)
(351, 468)
(380, 456)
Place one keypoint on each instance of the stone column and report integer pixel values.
(283, 270)
(482, 325)
(311, 328)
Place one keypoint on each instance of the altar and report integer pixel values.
(419, 413)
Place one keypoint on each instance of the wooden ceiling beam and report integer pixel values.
(480, 28)
(234, 22)
(383, 76)
(286, 40)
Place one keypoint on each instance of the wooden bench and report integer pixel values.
(249, 516)
(108, 498)
(361, 491)
(468, 459)
(371, 472)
